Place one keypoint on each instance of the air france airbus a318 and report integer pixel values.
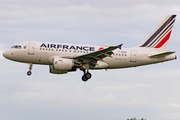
(63, 58)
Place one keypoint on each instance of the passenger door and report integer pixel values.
(31, 48)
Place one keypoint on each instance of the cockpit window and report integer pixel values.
(16, 47)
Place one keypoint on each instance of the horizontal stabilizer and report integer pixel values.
(161, 54)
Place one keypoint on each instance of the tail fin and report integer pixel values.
(159, 37)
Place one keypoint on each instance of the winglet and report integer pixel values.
(119, 46)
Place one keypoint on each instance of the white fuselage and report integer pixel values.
(44, 52)
(63, 58)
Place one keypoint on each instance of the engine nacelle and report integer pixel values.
(53, 71)
(62, 64)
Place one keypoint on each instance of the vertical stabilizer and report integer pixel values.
(159, 37)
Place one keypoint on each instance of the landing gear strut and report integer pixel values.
(30, 68)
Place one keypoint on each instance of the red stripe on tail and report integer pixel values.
(164, 40)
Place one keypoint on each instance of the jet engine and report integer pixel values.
(62, 64)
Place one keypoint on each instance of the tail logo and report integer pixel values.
(161, 35)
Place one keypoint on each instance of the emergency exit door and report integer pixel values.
(133, 56)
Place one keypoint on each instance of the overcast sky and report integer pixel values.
(151, 92)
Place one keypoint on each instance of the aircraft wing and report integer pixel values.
(95, 56)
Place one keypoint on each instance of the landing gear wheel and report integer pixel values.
(88, 75)
(84, 78)
(29, 73)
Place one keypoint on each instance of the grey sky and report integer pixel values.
(149, 91)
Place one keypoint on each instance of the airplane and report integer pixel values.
(63, 58)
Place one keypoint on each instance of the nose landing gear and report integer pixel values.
(30, 68)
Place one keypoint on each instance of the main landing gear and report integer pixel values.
(30, 68)
(86, 76)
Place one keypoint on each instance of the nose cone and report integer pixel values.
(6, 54)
